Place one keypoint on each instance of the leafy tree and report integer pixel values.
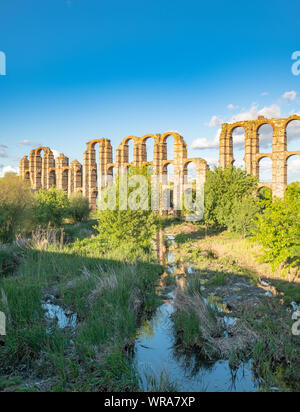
(243, 214)
(79, 207)
(135, 227)
(51, 207)
(15, 205)
(222, 188)
(278, 230)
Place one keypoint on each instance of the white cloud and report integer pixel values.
(215, 122)
(204, 143)
(253, 113)
(29, 143)
(232, 107)
(265, 94)
(3, 152)
(56, 153)
(8, 169)
(290, 96)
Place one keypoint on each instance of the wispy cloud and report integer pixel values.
(290, 96)
(204, 143)
(215, 121)
(30, 143)
(3, 152)
(232, 106)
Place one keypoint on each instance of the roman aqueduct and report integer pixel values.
(96, 171)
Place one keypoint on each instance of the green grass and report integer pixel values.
(110, 292)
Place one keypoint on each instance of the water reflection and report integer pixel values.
(157, 349)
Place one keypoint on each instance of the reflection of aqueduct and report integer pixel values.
(89, 178)
(94, 174)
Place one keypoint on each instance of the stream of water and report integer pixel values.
(156, 353)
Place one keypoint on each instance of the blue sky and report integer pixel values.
(82, 69)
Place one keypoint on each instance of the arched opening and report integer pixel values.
(38, 178)
(65, 180)
(169, 149)
(130, 144)
(27, 177)
(293, 169)
(191, 173)
(265, 170)
(168, 187)
(78, 178)
(293, 135)
(111, 172)
(265, 193)
(150, 149)
(238, 145)
(189, 194)
(52, 178)
(265, 138)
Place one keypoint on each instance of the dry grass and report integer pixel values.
(213, 343)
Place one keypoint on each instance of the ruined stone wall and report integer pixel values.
(98, 167)
(253, 156)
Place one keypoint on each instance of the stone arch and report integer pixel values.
(237, 139)
(265, 191)
(178, 149)
(27, 176)
(264, 134)
(95, 165)
(127, 153)
(52, 177)
(65, 178)
(149, 145)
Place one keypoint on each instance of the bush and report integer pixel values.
(79, 207)
(243, 214)
(278, 230)
(16, 202)
(222, 188)
(51, 207)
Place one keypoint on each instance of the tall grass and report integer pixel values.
(110, 295)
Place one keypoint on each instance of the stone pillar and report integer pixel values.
(279, 174)
(225, 147)
(75, 177)
(24, 167)
(62, 172)
(48, 163)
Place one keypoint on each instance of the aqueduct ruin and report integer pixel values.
(96, 171)
(279, 155)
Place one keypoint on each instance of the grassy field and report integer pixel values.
(73, 310)
(102, 299)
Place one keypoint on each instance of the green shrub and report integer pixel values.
(15, 206)
(9, 260)
(79, 207)
(222, 188)
(278, 230)
(51, 207)
(243, 214)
